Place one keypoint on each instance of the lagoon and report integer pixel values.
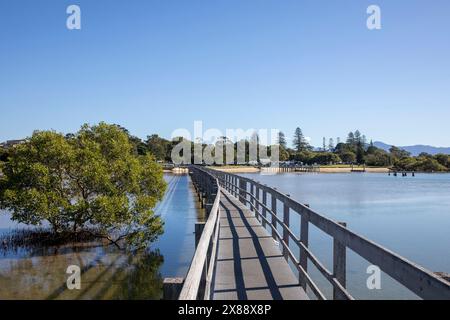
(409, 215)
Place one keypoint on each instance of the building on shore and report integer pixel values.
(11, 143)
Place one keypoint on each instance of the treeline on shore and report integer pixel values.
(354, 150)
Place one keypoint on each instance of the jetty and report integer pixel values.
(245, 250)
(358, 168)
(291, 168)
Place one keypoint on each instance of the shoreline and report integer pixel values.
(325, 170)
(245, 169)
(237, 169)
(349, 170)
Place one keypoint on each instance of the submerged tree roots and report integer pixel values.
(41, 238)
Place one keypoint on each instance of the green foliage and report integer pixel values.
(282, 140)
(326, 158)
(426, 163)
(355, 150)
(3, 155)
(398, 154)
(159, 147)
(443, 159)
(92, 178)
(284, 154)
(348, 157)
(377, 157)
(351, 139)
(299, 142)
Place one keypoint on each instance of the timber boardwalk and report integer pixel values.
(250, 265)
(245, 248)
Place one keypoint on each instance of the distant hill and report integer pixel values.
(414, 150)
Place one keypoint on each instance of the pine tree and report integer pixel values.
(282, 140)
(324, 144)
(331, 144)
(364, 140)
(358, 138)
(299, 140)
(351, 139)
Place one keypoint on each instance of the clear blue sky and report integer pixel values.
(157, 65)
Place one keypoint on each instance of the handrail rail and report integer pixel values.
(300, 269)
(198, 279)
(414, 277)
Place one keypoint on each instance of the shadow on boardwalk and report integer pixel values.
(250, 265)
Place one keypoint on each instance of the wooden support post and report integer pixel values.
(172, 288)
(202, 200)
(199, 226)
(339, 265)
(304, 238)
(209, 200)
(285, 232)
(264, 210)
(273, 200)
(208, 207)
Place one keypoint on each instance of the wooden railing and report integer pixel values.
(197, 284)
(257, 196)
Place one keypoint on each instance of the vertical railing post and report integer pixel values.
(242, 189)
(339, 265)
(232, 185)
(285, 227)
(273, 220)
(252, 194)
(257, 203)
(304, 239)
(264, 210)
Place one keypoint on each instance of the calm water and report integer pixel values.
(409, 215)
(107, 273)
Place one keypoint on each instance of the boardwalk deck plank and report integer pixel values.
(250, 264)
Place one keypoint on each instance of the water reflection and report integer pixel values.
(28, 272)
(107, 273)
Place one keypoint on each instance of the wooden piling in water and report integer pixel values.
(172, 288)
